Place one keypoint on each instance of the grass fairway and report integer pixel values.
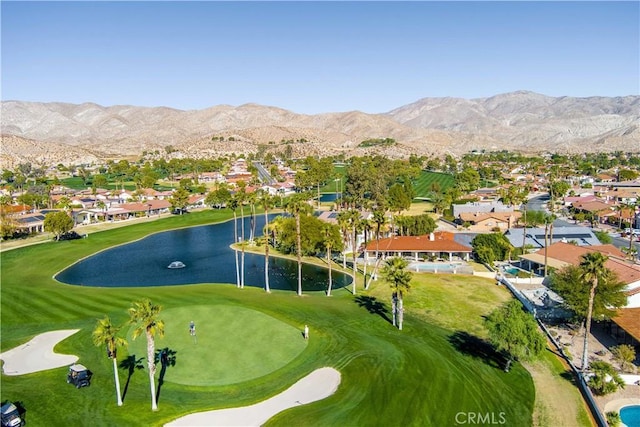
(229, 345)
(424, 375)
(422, 185)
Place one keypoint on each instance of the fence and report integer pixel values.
(582, 384)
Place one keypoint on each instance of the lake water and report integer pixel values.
(208, 258)
(329, 197)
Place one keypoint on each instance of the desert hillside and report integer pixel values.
(523, 121)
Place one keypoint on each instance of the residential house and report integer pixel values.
(488, 222)
(440, 244)
(535, 236)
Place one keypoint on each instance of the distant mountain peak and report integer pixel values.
(517, 121)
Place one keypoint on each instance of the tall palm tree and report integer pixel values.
(105, 333)
(366, 227)
(145, 315)
(379, 218)
(328, 243)
(297, 206)
(266, 201)
(548, 237)
(233, 205)
(395, 273)
(355, 224)
(592, 266)
(252, 199)
(242, 198)
(343, 223)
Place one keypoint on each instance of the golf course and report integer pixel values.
(249, 346)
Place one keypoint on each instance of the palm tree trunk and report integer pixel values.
(524, 231)
(394, 307)
(546, 245)
(117, 379)
(266, 252)
(299, 253)
(252, 233)
(152, 369)
(400, 311)
(235, 242)
(330, 278)
(242, 259)
(355, 267)
(375, 266)
(585, 354)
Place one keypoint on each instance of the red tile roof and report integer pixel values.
(572, 254)
(442, 242)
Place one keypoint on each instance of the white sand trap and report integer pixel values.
(37, 355)
(318, 385)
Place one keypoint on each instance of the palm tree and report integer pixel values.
(233, 205)
(380, 218)
(252, 200)
(242, 198)
(366, 227)
(394, 272)
(297, 205)
(328, 243)
(592, 266)
(548, 237)
(267, 202)
(354, 221)
(343, 223)
(105, 334)
(144, 314)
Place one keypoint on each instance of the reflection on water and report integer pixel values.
(208, 258)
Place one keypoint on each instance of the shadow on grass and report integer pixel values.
(477, 348)
(373, 306)
(131, 364)
(166, 357)
(569, 376)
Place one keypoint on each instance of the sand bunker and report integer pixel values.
(37, 355)
(318, 385)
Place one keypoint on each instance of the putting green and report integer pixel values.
(232, 344)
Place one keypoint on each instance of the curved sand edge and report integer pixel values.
(37, 355)
(318, 385)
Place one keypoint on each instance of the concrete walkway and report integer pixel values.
(318, 385)
(37, 355)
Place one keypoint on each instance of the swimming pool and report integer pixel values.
(512, 270)
(630, 415)
(434, 267)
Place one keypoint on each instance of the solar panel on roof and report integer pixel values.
(31, 219)
(333, 215)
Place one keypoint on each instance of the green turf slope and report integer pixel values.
(424, 375)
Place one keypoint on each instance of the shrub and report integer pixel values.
(624, 354)
(613, 419)
(605, 379)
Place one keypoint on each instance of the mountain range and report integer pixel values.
(46, 133)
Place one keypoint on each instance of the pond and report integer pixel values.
(329, 197)
(207, 257)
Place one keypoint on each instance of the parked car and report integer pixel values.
(79, 376)
(10, 416)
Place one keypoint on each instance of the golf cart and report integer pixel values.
(79, 376)
(10, 415)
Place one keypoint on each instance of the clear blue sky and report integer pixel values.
(314, 57)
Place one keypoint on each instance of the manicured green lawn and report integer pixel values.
(226, 348)
(423, 375)
(422, 185)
